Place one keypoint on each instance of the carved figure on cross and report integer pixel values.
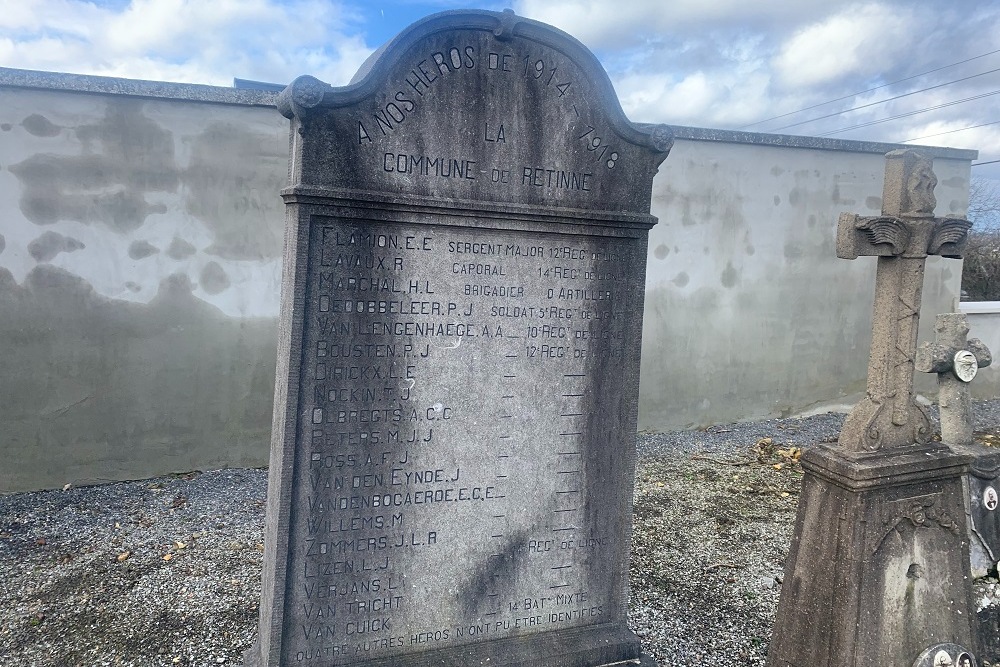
(902, 238)
(955, 358)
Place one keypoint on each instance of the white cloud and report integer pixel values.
(857, 41)
(602, 23)
(699, 99)
(186, 40)
(69, 17)
(42, 53)
(709, 63)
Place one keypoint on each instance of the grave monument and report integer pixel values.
(455, 409)
(956, 359)
(878, 571)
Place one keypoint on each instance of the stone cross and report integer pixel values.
(902, 238)
(955, 359)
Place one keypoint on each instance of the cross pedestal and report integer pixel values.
(878, 571)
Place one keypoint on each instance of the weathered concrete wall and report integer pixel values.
(140, 244)
(749, 313)
(984, 324)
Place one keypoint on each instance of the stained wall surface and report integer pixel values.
(749, 313)
(140, 242)
(139, 278)
(984, 324)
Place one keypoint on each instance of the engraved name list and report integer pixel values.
(406, 459)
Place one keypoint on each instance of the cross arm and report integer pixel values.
(940, 358)
(950, 235)
(983, 355)
(889, 236)
(883, 236)
(933, 358)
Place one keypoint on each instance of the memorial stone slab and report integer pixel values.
(453, 445)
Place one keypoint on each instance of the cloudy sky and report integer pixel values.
(890, 70)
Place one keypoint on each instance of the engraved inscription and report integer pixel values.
(416, 444)
(418, 82)
(542, 74)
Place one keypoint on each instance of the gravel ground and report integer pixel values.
(167, 571)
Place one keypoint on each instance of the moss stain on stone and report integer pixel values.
(213, 278)
(126, 155)
(106, 382)
(141, 249)
(50, 244)
(40, 126)
(232, 186)
(180, 249)
(730, 276)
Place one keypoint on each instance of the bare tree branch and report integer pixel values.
(981, 268)
(984, 203)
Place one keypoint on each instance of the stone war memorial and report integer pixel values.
(879, 572)
(452, 456)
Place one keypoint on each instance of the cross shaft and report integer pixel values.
(902, 238)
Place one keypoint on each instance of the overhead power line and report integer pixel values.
(910, 113)
(979, 164)
(870, 90)
(961, 129)
(888, 99)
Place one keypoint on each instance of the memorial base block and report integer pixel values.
(878, 569)
(608, 646)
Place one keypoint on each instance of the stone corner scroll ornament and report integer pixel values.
(901, 237)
